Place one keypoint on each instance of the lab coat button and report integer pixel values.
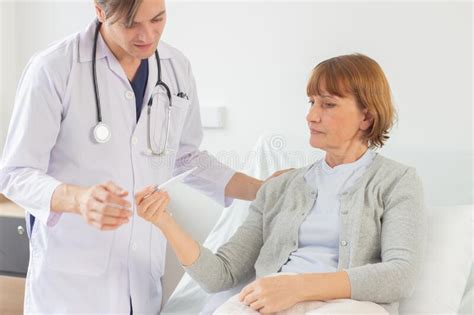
(134, 140)
(343, 243)
(129, 95)
(134, 246)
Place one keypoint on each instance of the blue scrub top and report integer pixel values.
(139, 85)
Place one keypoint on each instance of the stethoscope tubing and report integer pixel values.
(159, 82)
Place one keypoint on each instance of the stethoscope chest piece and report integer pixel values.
(102, 133)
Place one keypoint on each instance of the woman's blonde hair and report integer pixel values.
(118, 9)
(362, 77)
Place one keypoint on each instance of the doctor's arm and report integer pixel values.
(33, 131)
(245, 187)
(242, 186)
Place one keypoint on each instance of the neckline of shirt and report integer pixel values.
(363, 160)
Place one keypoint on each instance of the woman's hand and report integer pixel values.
(271, 294)
(152, 204)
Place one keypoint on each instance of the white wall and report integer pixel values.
(263, 52)
(8, 65)
(254, 58)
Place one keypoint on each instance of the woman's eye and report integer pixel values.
(329, 105)
(157, 20)
(311, 103)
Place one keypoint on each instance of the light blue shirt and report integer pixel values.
(75, 267)
(318, 248)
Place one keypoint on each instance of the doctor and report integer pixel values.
(97, 117)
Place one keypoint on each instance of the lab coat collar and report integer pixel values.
(86, 43)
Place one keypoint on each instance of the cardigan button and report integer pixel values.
(343, 243)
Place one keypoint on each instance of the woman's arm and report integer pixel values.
(324, 286)
(152, 207)
(403, 237)
(232, 263)
(185, 247)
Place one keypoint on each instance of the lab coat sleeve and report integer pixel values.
(32, 133)
(212, 176)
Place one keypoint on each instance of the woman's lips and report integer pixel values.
(315, 132)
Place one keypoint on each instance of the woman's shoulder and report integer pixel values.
(388, 167)
(388, 174)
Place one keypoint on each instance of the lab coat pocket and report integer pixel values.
(176, 122)
(78, 248)
(157, 254)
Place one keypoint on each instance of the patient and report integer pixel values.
(344, 234)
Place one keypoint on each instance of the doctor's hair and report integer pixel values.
(120, 9)
(363, 78)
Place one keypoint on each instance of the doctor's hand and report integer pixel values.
(271, 294)
(104, 206)
(152, 204)
(277, 173)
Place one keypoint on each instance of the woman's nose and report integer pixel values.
(314, 114)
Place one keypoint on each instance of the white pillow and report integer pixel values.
(448, 262)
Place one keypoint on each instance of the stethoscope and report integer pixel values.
(102, 132)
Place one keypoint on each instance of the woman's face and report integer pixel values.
(336, 123)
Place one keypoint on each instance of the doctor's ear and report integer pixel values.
(100, 13)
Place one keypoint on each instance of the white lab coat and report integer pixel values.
(75, 267)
